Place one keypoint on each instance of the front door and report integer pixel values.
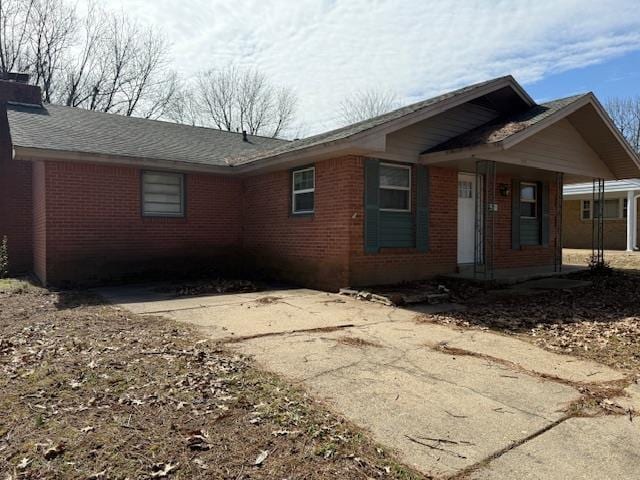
(466, 217)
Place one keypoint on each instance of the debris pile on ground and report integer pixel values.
(366, 295)
(600, 321)
(218, 285)
(89, 391)
(403, 294)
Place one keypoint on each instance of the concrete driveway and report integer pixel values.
(451, 403)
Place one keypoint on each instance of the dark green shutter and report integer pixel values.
(515, 214)
(544, 218)
(371, 205)
(422, 208)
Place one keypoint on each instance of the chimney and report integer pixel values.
(14, 87)
(244, 136)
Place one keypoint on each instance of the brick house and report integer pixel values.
(620, 215)
(469, 181)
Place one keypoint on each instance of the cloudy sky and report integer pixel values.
(417, 48)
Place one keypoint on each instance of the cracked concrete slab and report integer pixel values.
(606, 448)
(527, 355)
(255, 313)
(407, 394)
(443, 398)
(632, 399)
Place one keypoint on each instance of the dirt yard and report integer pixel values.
(600, 322)
(93, 392)
(629, 261)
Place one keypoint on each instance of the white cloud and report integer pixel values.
(327, 49)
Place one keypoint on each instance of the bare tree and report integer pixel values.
(184, 106)
(121, 68)
(100, 61)
(625, 113)
(236, 99)
(366, 104)
(15, 18)
(52, 28)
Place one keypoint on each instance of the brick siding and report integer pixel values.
(577, 232)
(392, 265)
(15, 203)
(88, 227)
(310, 250)
(526, 255)
(95, 230)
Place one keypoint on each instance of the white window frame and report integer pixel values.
(622, 208)
(295, 192)
(180, 214)
(534, 201)
(405, 189)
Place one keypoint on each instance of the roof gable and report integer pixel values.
(399, 118)
(583, 112)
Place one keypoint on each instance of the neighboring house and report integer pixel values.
(620, 221)
(469, 180)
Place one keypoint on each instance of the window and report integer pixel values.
(614, 208)
(528, 200)
(304, 187)
(162, 194)
(395, 188)
(465, 189)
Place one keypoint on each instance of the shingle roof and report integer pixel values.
(350, 130)
(502, 128)
(70, 129)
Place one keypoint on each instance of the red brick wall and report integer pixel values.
(15, 203)
(308, 250)
(88, 225)
(395, 265)
(94, 226)
(527, 255)
(392, 265)
(39, 222)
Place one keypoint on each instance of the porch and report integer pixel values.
(521, 165)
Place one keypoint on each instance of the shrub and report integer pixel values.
(599, 267)
(4, 258)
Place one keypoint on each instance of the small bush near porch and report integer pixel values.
(614, 258)
(89, 391)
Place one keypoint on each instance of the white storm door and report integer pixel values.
(466, 217)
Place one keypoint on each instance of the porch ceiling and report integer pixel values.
(574, 137)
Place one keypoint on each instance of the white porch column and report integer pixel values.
(632, 218)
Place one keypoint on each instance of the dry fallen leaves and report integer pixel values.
(600, 322)
(161, 470)
(106, 394)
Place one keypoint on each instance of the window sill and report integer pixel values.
(165, 217)
(302, 215)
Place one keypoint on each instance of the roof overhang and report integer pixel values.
(289, 161)
(39, 154)
(617, 186)
(586, 114)
(373, 140)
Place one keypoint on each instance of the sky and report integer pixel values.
(327, 49)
